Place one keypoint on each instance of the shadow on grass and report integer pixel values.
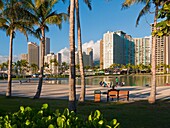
(138, 114)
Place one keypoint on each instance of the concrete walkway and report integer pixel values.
(58, 91)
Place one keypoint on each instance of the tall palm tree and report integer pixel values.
(82, 93)
(12, 19)
(43, 15)
(72, 75)
(146, 9)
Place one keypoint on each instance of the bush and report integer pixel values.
(45, 118)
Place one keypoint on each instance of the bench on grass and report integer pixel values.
(118, 94)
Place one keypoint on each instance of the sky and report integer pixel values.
(106, 15)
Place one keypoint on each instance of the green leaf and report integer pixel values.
(66, 112)
(101, 122)
(90, 118)
(51, 126)
(60, 122)
(97, 114)
(27, 122)
(44, 106)
(28, 109)
(168, 23)
(22, 109)
(114, 121)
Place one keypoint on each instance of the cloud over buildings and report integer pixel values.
(91, 44)
(5, 58)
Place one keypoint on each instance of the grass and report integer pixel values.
(130, 115)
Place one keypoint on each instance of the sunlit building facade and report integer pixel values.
(142, 50)
(33, 53)
(118, 47)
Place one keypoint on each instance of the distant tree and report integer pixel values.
(34, 68)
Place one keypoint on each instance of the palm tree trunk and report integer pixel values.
(8, 92)
(152, 97)
(72, 89)
(39, 88)
(82, 93)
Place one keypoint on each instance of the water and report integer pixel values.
(132, 80)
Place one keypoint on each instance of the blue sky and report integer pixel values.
(104, 16)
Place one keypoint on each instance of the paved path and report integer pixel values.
(58, 91)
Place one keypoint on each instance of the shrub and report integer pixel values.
(45, 118)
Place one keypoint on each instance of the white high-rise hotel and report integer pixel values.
(142, 50)
(118, 48)
(33, 53)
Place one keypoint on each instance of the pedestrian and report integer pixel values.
(117, 81)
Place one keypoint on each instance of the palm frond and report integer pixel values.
(88, 2)
(128, 3)
(144, 11)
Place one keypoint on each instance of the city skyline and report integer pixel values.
(109, 18)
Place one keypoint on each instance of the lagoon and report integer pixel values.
(130, 80)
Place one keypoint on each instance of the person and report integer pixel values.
(117, 81)
(101, 83)
(105, 84)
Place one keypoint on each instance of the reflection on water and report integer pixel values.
(132, 80)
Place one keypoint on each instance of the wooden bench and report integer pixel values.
(124, 94)
(113, 93)
(118, 94)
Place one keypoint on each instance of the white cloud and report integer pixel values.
(65, 54)
(5, 58)
(95, 46)
(91, 44)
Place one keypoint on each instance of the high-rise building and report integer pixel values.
(58, 57)
(90, 53)
(24, 57)
(101, 54)
(142, 50)
(50, 60)
(162, 52)
(47, 48)
(118, 48)
(87, 57)
(47, 45)
(33, 53)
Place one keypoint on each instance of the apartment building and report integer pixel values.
(142, 50)
(33, 53)
(118, 47)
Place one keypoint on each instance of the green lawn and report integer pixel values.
(130, 115)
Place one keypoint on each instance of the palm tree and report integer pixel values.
(82, 93)
(72, 89)
(34, 68)
(24, 66)
(55, 63)
(64, 66)
(4, 66)
(146, 9)
(11, 19)
(17, 67)
(43, 15)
